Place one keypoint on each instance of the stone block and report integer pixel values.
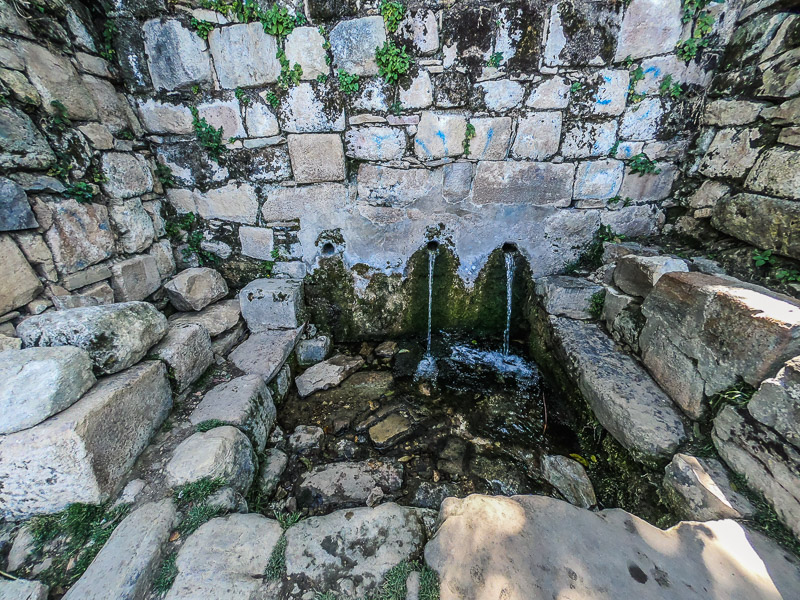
(245, 403)
(37, 383)
(776, 404)
(186, 350)
(136, 278)
(501, 95)
(130, 560)
(84, 453)
(23, 589)
(133, 224)
(420, 29)
(651, 27)
(539, 184)
(553, 92)
(761, 221)
(598, 179)
(538, 136)
(272, 467)
(272, 304)
(777, 172)
(726, 113)
(116, 336)
(235, 202)
(260, 121)
(581, 33)
(21, 284)
(312, 351)
(570, 479)
(381, 185)
(637, 275)
(163, 117)
(375, 143)
(642, 121)
(327, 374)
(128, 175)
(611, 92)
(216, 318)
(311, 108)
(257, 242)
(93, 295)
(195, 288)
(353, 44)
(15, 212)
(304, 46)
(225, 114)
(731, 153)
(266, 352)
(220, 452)
(348, 483)
(21, 143)
(439, 135)
(177, 57)
(492, 136)
(565, 296)
(165, 260)
(419, 93)
(244, 56)
(80, 235)
(317, 157)
(690, 314)
(585, 138)
(650, 187)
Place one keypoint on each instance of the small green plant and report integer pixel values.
(737, 396)
(197, 516)
(428, 584)
(273, 99)
(174, 227)
(276, 567)
(575, 87)
(322, 78)
(196, 90)
(763, 257)
(126, 134)
(198, 491)
(596, 303)
(202, 28)
(592, 256)
(164, 175)
(209, 137)
(286, 520)
(670, 88)
(290, 75)
(468, 135)
(209, 425)
(265, 269)
(635, 77)
(59, 119)
(348, 83)
(167, 574)
(326, 596)
(396, 108)
(107, 47)
(277, 21)
(628, 62)
(242, 96)
(326, 45)
(61, 167)
(392, 61)
(393, 13)
(614, 200)
(641, 165)
(787, 275)
(495, 59)
(614, 148)
(687, 49)
(82, 192)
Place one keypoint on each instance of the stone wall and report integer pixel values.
(314, 168)
(743, 181)
(80, 217)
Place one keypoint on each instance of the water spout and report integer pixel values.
(509, 255)
(432, 251)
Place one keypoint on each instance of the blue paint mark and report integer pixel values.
(441, 136)
(655, 70)
(489, 137)
(606, 101)
(423, 146)
(607, 78)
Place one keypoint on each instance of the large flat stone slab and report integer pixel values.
(272, 304)
(125, 567)
(216, 318)
(177, 57)
(186, 350)
(327, 374)
(689, 341)
(350, 551)
(565, 296)
(348, 483)
(244, 56)
(265, 353)
(226, 558)
(777, 402)
(36, 383)
(536, 183)
(496, 547)
(623, 397)
(83, 453)
(116, 336)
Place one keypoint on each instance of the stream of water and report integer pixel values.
(509, 290)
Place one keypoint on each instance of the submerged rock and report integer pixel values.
(494, 547)
(570, 479)
(348, 483)
(327, 374)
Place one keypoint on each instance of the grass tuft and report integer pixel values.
(197, 491)
(166, 576)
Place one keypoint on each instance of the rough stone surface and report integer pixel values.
(699, 490)
(375, 143)
(15, 212)
(80, 235)
(244, 56)
(641, 121)
(304, 46)
(316, 157)
(565, 296)
(777, 402)
(23, 589)
(133, 224)
(747, 447)
(220, 452)
(260, 121)
(177, 57)
(83, 453)
(691, 316)
(314, 350)
(273, 464)
(583, 139)
(439, 135)
(419, 93)
(570, 479)
(264, 353)
(225, 558)
(330, 552)
(116, 336)
(163, 117)
(235, 202)
(22, 145)
(353, 44)
(307, 108)
(186, 350)
(244, 402)
(272, 304)
(492, 136)
(136, 278)
(21, 284)
(36, 383)
(598, 179)
(216, 318)
(652, 27)
(347, 483)
(327, 374)
(636, 275)
(306, 439)
(501, 95)
(130, 559)
(731, 153)
(553, 92)
(488, 546)
(195, 288)
(623, 397)
(534, 183)
(538, 136)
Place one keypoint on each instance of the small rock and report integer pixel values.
(195, 288)
(312, 351)
(637, 275)
(386, 349)
(390, 430)
(570, 479)
(327, 374)
(348, 483)
(272, 304)
(306, 439)
(273, 464)
(451, 460)
(23, 589)
(227, 500)
(186, 350)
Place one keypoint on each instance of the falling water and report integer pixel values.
(431, 264)
(509, 285)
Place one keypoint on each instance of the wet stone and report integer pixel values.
(306, 440)
(390, 430)
(348, 483)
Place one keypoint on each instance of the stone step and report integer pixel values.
(344, 484)
(327, 374)
(487, 544)
(564, 296)
(83, 453)
(265, 353)
(272, 304)
(194, 289)
(125, 567)
(22, 589)
(187, 352)
(216, 318)
(624, 398)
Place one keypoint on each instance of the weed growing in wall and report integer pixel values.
(272, 99)
(641, 165)
(575, 87)
(167, 574)
(209, 137)
(392, 61)
(82, 192)
(61, 168)
(202, 28)
(242, 96)
(107, 47)
(184, 229)
(290, 75)
(635, 77)
(59, 119)
(348, 83)
(164, 175)
(596, 304)
(469, 133)
(495, 59)
(670, 88)
(393, 13)
(592, 256)
(703, 24)
(763, 258)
